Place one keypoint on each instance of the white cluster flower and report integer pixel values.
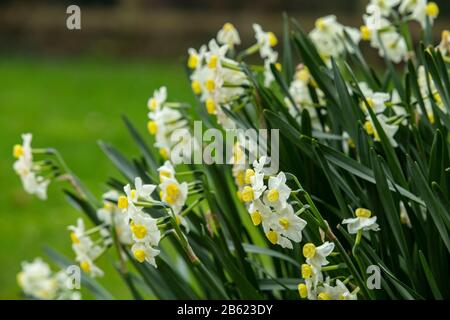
(216, 79)
(27, 170)
(38, 281)
(265, 41)
(86, 249)
(144, 229)
(363, 221)
(164, 120)
(268, 205)
(314, 286)
(329, 37)
(299, 90)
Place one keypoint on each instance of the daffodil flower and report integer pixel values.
(174, 193)
(317, 256)
(159, 97)
(228, 35)
(145, 229)
(144, 252)
(277, 192)
(363, 221)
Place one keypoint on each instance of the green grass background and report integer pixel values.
(68, 105)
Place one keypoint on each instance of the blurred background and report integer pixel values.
(69, 88)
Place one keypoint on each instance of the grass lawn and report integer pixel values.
(69, 105)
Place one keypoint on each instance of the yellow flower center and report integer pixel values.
(272, 39)
(192, 61)
(320, 24)
(363, 213)
(248, 194)
(152, 127)
(239, 195)
(122, 202)
(172, 193)
(196, 87)
(306, 271)
(370, 102)
(212, 63)
(74, 238)
(432, 10)
(273, 195)
(153, 104)
(240, 178)
(309, 250)
(323, 296)
(85, 266)
(302, 290)
(18, 151)
(278, 66)
(272, 236)
(256, 217)
(139, 254)
(210, 106)
(365, 32)
(431, 117)
(249, 173)
(133, 193)
(284, 222)
(139, 231)
(304, 75)
(164, 153)
(228, 26)
(164, 174)
(210, 85)
(369, 127)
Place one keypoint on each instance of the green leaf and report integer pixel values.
(430, 278)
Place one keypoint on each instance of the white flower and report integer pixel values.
(256, 188)
(144, 252)
(277, 192)
(444, 45)
(195, 57)
(317, 256)
(389, 129)
(141, 191)
(166, 171)
(260, 213)
(338, 292)
(85, 249)
(289, 224)
(156, 102)
(36, 280)
(265, 41)
(228, 35)
(376, 100)
(145, 229)
(363, 221)
(382, 7)
(27, 171)
(393, 46)
(423, 10)
(174, 193)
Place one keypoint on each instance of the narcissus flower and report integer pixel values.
(363, 221)
(159, 97)
(228, 35)
(317, 256)
(32, 182)
(144, 252)
(145, 229)
(277, 192)
(173, 193)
